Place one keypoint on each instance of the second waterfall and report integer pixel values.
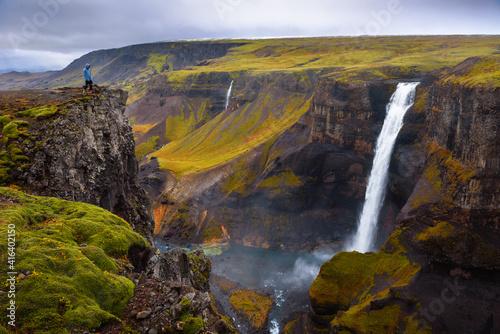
(402, 99)
(228, 95)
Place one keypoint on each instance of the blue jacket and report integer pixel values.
(86, 73)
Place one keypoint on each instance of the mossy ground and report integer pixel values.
(191, 324)
(70, 287)
(351, 276)
(146, 148)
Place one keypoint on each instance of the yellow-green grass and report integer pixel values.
(141, 129)
(486, 72)
(347, 54)
(146, 147)
(68, 287)
(230, 135)
(192, 112)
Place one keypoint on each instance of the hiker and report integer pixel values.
(88, 78)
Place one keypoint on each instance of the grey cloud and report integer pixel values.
(75, 26)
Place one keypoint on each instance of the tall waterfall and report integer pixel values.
(400, 102)
(228, 96)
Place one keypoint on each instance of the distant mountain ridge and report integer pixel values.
(122, 67)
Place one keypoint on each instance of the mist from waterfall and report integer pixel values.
(402, 99)
(228, 96)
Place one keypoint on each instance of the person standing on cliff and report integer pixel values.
(88, 78)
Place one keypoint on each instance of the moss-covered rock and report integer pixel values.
(67, 285)
(351, 278)
(252, 307)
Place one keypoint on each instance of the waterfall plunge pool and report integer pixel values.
(286, 276)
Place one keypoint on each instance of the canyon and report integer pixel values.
(269, 144)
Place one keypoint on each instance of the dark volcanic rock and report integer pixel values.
(176, 297)
(83, 152)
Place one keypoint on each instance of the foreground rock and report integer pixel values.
(176, 298)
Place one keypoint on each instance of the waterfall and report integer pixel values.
(228, 94)
(400, 102)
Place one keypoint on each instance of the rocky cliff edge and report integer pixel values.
(64, 144)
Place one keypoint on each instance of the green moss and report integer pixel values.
(192, 325)
(385, 320)
(99, 258)
(4, 120)
(157, 61)
(349, 277)
(232, 134)
(42, 111)
(441, 230)
(4, 174)
(241, 178)
(147, 147)
(69, 286)
(11, 130)
(445, 173)
(485, 72)
(349, 282)
(178, 127)
(5, 159)
(186, 304)
(17, 155)
(213, 231)
(201, 270)
(285, 179)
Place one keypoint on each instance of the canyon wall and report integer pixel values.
(437, 271)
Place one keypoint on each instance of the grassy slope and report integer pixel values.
(230, 135)
(69, 286)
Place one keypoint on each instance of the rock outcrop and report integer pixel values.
(176, 297)
(80, 148)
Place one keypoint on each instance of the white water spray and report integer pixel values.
(228, 96)
(400, 102)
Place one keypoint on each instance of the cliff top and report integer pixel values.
(29, 98)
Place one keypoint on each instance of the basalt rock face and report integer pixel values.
(465, 121)
(349, 115)
(84, 151)
(445, 247)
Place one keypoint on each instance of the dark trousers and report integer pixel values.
(87, 84)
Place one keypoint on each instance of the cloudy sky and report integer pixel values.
(38, 35)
